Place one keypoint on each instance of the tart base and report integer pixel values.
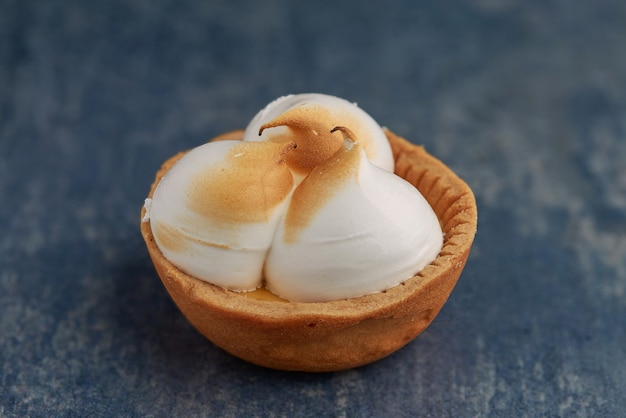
(343, 334)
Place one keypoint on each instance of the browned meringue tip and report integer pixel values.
(347, 133)
(343, 334)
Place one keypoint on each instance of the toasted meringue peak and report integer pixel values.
(311, 117)
(320, 186)
(354, 229)
(314, 142)
(214, 213)
(348, 135)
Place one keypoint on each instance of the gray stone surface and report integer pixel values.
(526, 100)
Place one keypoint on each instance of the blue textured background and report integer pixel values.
(525, 99)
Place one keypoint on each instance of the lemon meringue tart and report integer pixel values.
(359, 297)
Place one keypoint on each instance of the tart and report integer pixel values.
(266, 330)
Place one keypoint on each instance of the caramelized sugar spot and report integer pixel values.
(246, 186)
(319, 187)
(310, 127)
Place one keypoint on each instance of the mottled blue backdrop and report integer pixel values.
(525, 99)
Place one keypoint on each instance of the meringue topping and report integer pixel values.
(214, 213)
(313, 213)
(310, 118)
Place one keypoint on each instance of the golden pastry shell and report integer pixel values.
(343, 334)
